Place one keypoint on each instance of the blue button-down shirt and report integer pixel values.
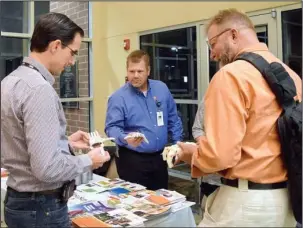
(129, 110)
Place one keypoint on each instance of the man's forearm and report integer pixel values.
(61, 168)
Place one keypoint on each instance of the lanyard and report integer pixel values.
(32, 67)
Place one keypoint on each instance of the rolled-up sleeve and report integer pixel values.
(42, 132)
(225, 126)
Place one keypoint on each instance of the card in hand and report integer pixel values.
(137, 135)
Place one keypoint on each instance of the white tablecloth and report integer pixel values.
(181, 218)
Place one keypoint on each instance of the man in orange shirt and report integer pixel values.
(241, 141)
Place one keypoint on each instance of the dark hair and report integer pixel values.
(53, 26)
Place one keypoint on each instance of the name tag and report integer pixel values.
(160, 120)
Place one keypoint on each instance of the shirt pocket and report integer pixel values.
(262, 215)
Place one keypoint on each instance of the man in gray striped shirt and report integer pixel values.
(198, 131)
(210, 182)
(34, 147)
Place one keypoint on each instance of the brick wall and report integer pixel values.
(77, 118)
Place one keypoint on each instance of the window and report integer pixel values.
(262, 33)
(11, 55)
(173, 56)
(174, 60)
(14, 16)
(73, 86)
(187, 113)
(41, 7)
(292, 39)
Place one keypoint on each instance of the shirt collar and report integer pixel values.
(253, 48)
(42, 69)
(139, 91)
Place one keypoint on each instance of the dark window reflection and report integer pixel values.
(146, 38)
(292, 39)
(41, 7)
(187, 113)
(262, 34)
(213, 68)
(175, 37)
(174, 60)
(11, 54)
(14, 16)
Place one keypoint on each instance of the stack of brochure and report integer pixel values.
(115, 202)
(166, 197)
(106, 217)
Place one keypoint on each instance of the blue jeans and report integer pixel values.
(32, 210)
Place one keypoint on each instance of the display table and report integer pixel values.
(180, 218)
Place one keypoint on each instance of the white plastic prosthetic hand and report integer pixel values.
(95, 140)
(170, 155)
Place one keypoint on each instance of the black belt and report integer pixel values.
(54, 192)
(125, 149)
(256, 186)
(207, 189)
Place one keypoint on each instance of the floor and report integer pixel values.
(188, 189)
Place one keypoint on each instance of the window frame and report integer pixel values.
(88, 40)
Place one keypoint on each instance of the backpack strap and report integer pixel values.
(276, 76)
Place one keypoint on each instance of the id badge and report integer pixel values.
(160, 120)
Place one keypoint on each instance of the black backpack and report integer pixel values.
(289, 124)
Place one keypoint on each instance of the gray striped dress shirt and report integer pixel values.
(198, 127)
(34, 147)
(198, 130)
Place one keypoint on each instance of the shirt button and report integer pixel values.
(150, 112)
(155, 125)
(157, 138)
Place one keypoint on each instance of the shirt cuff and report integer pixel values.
(196, 134)
(71, 149)
(195, 171)
(122, 141)
(86, 161)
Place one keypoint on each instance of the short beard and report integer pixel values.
(226, 57)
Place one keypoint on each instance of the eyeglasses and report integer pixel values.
(216, 36)
(73, 52)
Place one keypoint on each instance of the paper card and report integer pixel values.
(137, 135)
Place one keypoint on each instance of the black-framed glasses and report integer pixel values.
(73, 52)
(216, 36)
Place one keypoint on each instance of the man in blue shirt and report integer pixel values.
(146, 106)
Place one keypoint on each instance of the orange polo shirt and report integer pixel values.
(240, 121)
